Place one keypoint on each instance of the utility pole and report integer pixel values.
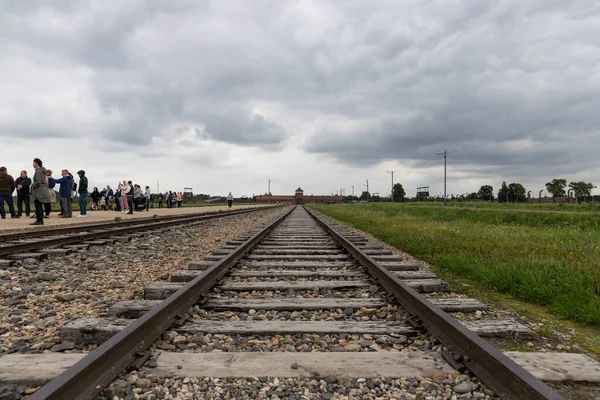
(353, 192)
(157, 187)
(367, 185)
(269, 191)
(392, 192)
(445, 153)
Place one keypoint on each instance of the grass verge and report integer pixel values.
(562, 207)
(549, 325)
(550, 261)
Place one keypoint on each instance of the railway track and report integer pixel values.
(301, 297)
(62, 240)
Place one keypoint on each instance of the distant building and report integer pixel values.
(299, 198)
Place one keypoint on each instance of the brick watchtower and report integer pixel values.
(299, 196)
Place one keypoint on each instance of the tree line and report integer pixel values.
(512, 192)
(557, 187)
(397, 191)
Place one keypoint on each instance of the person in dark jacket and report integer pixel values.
(66, 186)
(23, 183)
(118, 200)
(110, 197)
(83, 193)
(95, 195)
(39, 191)
(130, 196)
(7, 187)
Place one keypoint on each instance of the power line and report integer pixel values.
(574, 116)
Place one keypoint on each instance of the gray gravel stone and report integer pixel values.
(93, 279)
(45, 276)
(66, 296)
(464, 387)
(63, 346)
(143, 383)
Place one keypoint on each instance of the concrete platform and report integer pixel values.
(9, 225)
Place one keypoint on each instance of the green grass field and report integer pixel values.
(583, 207)
(551, 259)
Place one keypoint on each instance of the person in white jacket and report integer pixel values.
(148, 195)
(125, 189)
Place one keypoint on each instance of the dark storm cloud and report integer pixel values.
(148, 72)
(242, 130)
(496, 84)
(473, 131)
(493, 85)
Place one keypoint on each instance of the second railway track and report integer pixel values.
(41, 243)
(302, 297)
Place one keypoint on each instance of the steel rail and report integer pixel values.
(116, 230)
(89, 376)
(50, 231)
(505, 377)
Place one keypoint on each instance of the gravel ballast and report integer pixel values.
(39, 297)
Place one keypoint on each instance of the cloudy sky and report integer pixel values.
(224, 95)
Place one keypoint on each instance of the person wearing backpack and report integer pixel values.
(50, 185)
(39, 191)
(74, 189)
(95, 195)
(83, 193)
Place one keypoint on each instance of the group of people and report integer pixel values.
(126, 198)
(172, 199)
(130, 197)
(40, 189)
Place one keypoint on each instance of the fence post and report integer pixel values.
(569, 196)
